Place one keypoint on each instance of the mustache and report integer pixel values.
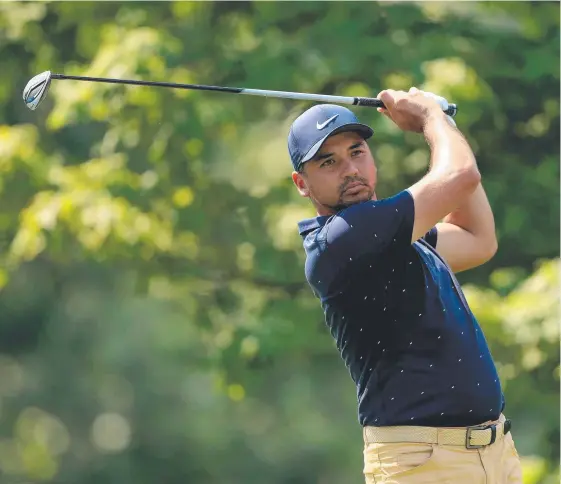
(348, 181)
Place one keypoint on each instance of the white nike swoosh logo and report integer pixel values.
(325, 123)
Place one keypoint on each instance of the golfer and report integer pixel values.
(430, 401)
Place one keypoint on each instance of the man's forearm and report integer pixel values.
(450, 151)
(476, 216)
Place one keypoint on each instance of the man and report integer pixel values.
(429, 398)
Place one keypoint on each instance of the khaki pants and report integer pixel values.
(422, 463)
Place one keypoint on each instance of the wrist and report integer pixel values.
(433, 119)
(435, 125)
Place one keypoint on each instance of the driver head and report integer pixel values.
(36, 90)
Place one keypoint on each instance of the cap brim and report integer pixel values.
(364, 130)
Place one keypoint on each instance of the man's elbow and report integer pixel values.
(490, 248)
(471, 178)
(464, 182)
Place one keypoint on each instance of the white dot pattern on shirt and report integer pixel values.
(420, 315)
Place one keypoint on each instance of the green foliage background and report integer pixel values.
(155, 323)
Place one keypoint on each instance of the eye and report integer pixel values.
(328, 162)
(356, 152)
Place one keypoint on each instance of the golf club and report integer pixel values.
(37, 88)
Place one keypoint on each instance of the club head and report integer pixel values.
(36, 90)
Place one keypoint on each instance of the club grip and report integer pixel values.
(376, 103)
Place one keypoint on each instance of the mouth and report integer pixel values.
(353, 188)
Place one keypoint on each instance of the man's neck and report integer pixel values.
(325, 211)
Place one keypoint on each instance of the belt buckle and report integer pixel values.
(493, 428)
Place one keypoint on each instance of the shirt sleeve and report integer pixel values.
(371, 228)
(431, 237)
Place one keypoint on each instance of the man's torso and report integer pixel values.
(402, 326)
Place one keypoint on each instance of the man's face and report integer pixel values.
(341, 174)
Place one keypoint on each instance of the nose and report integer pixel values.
(349, 168)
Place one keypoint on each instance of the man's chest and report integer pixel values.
(395, 295)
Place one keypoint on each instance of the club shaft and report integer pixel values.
(301, 96)
(251, 92)
(148, 83)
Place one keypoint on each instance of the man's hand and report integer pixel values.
(410, 111)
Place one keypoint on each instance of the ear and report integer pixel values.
(301, 185)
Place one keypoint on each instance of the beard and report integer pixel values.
(342, 204)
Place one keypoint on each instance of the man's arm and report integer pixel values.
(452, 181)
(466, 237)
(451, 190)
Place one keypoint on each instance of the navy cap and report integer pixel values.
(314, 126)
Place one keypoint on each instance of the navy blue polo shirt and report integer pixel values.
(400, 320)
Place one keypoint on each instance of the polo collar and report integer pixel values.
(307, 225)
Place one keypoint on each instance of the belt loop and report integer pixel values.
(493, 434)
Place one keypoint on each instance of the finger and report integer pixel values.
(385, 113)
(387, 97)
(443, 103)
(413, 90)
(392, 92)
